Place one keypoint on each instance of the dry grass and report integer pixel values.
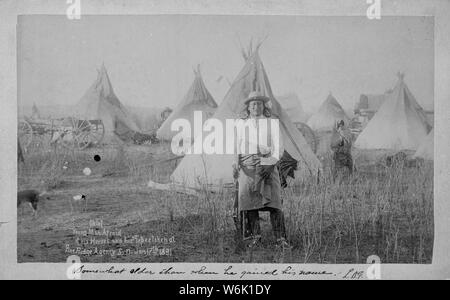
(383, 211)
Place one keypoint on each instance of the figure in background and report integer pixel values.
(341, 146)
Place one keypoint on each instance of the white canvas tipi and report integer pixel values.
(215, 170)
(426, 148)
(197, 98)
(328, 114)
(293, 107)
(35, 114)
(399, 124)
(101, 103)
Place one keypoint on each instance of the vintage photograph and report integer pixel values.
(225, 139)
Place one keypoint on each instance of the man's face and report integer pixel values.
(255, 108)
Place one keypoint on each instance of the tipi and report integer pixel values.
(216, 170)
(197, 98)
(101, 103)
(329, 112)
(426, 148)
(399, 124)
(293, 107)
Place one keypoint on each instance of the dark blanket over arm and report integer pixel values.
(287, 166)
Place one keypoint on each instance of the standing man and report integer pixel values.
(256, 171)
(341, 145)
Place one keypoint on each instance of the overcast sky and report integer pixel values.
(150, 58)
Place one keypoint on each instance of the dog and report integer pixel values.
(31, 197)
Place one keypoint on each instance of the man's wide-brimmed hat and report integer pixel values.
(256, 96)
